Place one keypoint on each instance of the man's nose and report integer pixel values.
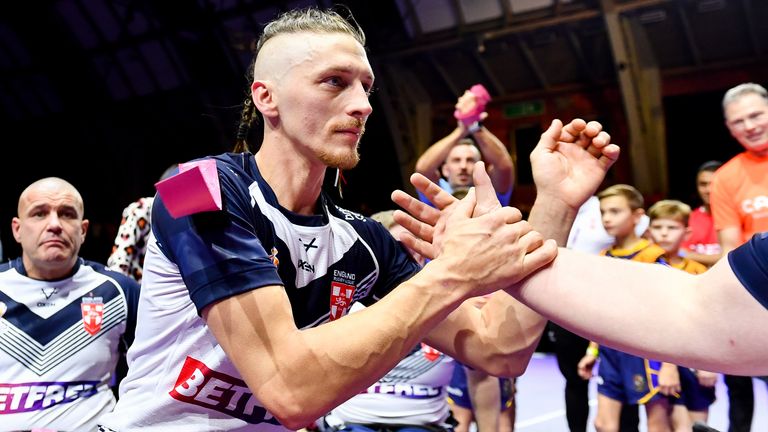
(360, 106)
(54, 223)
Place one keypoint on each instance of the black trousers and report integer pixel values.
(569, 349)
(741, 403)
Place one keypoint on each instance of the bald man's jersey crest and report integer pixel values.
(59, 345)
(178, 372)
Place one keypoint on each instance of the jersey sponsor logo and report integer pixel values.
(406, 390)
(705, 248)
(310, 245)
(306, 266)
(341, 299)
(92, 309)
(199, 385)
(344, 277)
(350, 215)
(36, 396)
(48, 292)
(756, 204)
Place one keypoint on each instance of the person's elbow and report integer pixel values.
(510, 366)
(509, 362)
(292, 412)
(423, 167)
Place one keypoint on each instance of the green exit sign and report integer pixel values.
(524, 109)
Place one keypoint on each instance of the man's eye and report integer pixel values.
(335, 81)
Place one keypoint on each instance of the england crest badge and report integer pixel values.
(93, 314)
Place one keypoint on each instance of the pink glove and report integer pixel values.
(482, 97)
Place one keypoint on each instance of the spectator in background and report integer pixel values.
(626, 380)
(451, 160)
(739, 202)
(702, 245)
(66, 321)
(587, 235)
(668, 228)
(130, 245)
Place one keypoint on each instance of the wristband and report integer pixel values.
(593, 351)
(474, 127)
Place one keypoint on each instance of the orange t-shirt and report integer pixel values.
(690, 266)
(739, 195)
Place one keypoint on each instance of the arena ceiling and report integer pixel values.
(116, 50)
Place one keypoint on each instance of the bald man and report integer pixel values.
(64, 321)
(244, 310)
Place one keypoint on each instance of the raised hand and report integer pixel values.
(570, 161)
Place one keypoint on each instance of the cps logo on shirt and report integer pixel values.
(755, 204)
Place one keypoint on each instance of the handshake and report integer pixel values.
(477, 240)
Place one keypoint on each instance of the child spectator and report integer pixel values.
(626, 379)
(668, 229)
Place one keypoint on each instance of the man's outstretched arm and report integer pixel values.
(707, 321)
(288, 369)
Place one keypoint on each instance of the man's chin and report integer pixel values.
(343, 161)
(760, 149)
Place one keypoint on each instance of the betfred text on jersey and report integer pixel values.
(199, 385)
(24, 397)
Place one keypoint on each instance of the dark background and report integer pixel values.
(86, 95)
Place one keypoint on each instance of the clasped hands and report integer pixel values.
(492, 244)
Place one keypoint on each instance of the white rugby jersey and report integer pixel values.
(59, 344)
(412, 393)
(179, 378)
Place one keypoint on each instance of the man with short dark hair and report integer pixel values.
(451, 160)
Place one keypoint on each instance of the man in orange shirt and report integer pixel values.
(739, 196)
(739, 203)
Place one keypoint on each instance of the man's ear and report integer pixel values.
(16, 228)
(444, 170)
(264, 98)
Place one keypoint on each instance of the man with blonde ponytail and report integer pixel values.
(244, 322)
